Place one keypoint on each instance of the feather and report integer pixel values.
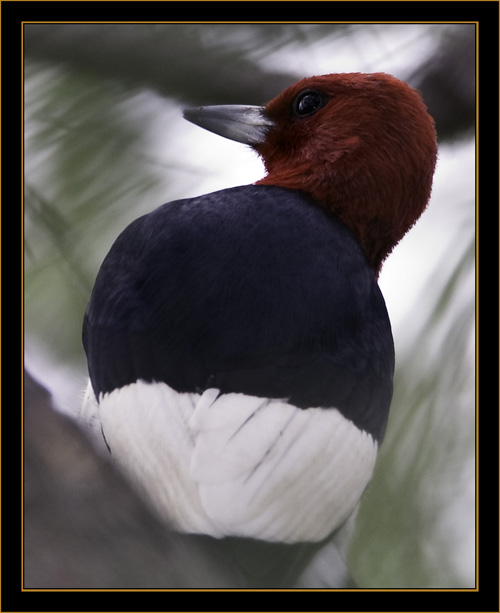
(238, 465)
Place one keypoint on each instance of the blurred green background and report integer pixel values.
(105, 142)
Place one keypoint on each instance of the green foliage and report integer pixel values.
(407, 525)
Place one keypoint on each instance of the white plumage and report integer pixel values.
(236, 465)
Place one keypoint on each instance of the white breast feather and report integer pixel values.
(237, 465)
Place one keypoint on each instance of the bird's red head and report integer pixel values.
(362, 145)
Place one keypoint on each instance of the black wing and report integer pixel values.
(253, 289)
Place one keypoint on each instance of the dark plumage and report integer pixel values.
(253, 289)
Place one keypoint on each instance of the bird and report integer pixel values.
(239, 348)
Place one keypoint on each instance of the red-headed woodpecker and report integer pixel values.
(240, 353)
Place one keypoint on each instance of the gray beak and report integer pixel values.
(244, 124)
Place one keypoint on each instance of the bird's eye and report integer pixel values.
(308, 102)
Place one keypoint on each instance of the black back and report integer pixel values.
(254, 289)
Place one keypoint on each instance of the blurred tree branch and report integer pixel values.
(448, 83)
(84, 527)
(194, 70)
